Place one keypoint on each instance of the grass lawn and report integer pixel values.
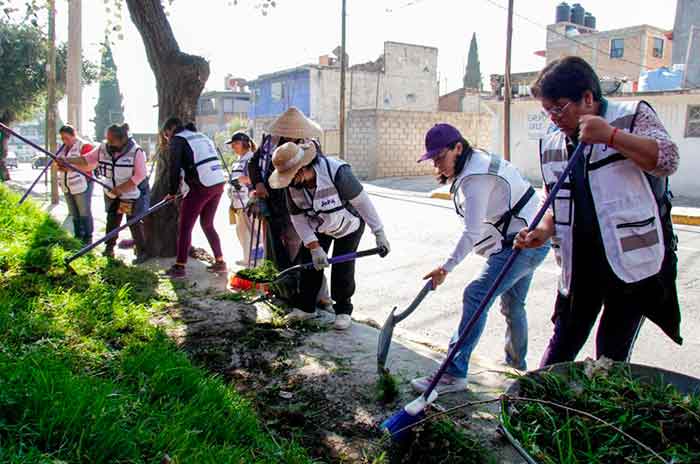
(84, 376)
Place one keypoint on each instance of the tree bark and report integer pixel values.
(180, 80)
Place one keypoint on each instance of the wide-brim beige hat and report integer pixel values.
(294, 125)
(287, 160)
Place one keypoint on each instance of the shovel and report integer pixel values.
(385, 335)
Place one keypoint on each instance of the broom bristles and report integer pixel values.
(399, 425)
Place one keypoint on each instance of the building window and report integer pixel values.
(658, 51)
(617, 48)
(692, 122)
(277, 91)
(411, 98)
(207, 106)
(228, 105)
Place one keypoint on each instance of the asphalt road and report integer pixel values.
(422, 232)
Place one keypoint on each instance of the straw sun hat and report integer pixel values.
(294, 125)
(287, 160)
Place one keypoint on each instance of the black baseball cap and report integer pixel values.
(239, 137)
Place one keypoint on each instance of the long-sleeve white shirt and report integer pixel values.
(485, 198)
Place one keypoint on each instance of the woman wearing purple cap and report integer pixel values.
(495, 203)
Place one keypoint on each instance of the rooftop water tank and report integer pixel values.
(589, 20)
(577, 14)
(563, 13)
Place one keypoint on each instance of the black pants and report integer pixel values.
(114, 220)
(342, 275)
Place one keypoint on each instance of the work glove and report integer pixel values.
(319, 258)
(382, 242)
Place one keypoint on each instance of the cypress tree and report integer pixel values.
(109, 109)
(472, 75)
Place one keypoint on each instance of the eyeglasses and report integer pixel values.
(555, 112)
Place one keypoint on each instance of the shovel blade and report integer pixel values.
(384, 342)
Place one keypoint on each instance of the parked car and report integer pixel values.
(39, 162)
(11, 160)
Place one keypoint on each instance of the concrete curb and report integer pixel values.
(686, 216)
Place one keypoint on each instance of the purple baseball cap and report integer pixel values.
(439, 137)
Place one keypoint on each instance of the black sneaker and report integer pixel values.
(109, 252)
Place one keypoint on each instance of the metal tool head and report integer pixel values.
(384, 342)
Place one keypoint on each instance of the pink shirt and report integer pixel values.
(139, 164)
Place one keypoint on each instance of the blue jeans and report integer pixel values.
(80, 209)
(513, 292)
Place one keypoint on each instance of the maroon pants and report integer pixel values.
(200, 202)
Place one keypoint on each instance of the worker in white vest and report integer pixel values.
(194, 154)
(494, 202)
(121, 164)
(327, 206)
(611, 223)
(77, 190)
(239, 192)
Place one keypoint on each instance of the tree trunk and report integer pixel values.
(180, 79)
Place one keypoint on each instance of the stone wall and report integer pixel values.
(383, 143)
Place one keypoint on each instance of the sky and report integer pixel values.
(239, 40)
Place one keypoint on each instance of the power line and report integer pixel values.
(582, 44)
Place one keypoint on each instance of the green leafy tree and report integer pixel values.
(472, 75)
(23, 77)
(109, 109)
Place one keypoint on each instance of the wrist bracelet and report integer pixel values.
(612, 137)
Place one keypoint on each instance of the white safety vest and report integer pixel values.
(520, 211)
(206, 162)
(625, 205)
(119, 168)
(326, 212)
(72, 182)
(239, 198)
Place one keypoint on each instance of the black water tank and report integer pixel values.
(577, 14)
(563, 13)
(589, 20)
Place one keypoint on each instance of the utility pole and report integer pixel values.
(51, 103)
(506, 88)
(343, 64)
(73, 74)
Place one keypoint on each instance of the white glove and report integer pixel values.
(319, 258)
(382, 242)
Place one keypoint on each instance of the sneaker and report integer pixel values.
(447, 384)
(140, 259)
(342, 322)
(242, 262)
(298, 315)
(109, 252)
(176, 272)
(218, 267)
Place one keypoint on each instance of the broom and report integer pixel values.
(399, 424)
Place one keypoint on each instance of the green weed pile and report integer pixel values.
(654, 413)
(84, 376)
(264, 273)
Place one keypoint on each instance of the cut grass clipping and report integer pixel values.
(84, 377)
(265, 273)
(441, 441)
(655, 414)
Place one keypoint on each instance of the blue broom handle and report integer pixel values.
(506, 268)
(43, 171)
(53, 157)
(115, 232)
